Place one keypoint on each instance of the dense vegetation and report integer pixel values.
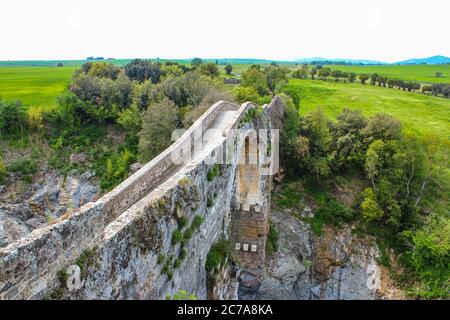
(405, 201)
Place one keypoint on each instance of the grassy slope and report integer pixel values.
(34, 86)
(426, 113)
(420, 73)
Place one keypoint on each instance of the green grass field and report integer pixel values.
(426, 113)
(34, 86)
(419, 73)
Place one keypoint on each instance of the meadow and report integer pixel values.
(426, 113)
(34, 86)
(419, 73)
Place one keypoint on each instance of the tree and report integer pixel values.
(142, 70)
(313, 72)
(209, 69)
(196, 62)
(255, 78)
(60, 64)
(351, 77)
(373, 78)
(438, 75)
(274, 76)
(371, 211)
(244, 94)
(301, 73)
(158, 123)
(104, 70)
(228, 69)
(382, 126)
(324, 73)
(363, 78)
(348, 141)
(336, 74)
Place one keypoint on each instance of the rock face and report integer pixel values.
(54, 197)
(336, 265)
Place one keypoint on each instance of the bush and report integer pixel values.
(158, 124)
(3, 171)
(23, 167)
(244, 94)
(213, 172)
(177, 236)
(35, 117)
(12, 117)
(272, 240)
(218, 255)
(182, 221)
(430, 258)
(197, 222)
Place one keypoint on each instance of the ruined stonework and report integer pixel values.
(127, 244)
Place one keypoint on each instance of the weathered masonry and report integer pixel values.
(151, 235)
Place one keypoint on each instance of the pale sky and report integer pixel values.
(386, 30)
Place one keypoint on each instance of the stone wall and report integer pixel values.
(123, 243)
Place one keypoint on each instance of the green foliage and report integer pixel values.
(142, 70)
(158, 123)
(196, 62)
(218, 255)
(254, 78)
(116, 169)
(86, 260)
(252, 114)
(25, 168)
(182, 221)
(12, 117)
(430, 257)
(209, 69)
(181, 295)
(197, 222)
(272, 240)
(228, 69)
(289, 196)
(370, 209)
(177, 236)
(214, 172)
(161, 258)
(3, 171)
(245, 94)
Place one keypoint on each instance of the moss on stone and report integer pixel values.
(86, 260)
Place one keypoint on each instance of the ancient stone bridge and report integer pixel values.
(151, 235)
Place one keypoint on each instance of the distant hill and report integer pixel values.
(429, 60)
(338, 61)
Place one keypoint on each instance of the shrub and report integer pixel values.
(218, 255)
(12, 117)
(213, 172)
(272, 240)
(177, 236)
(158, 124)
(3, 171)
(161, 258)
(244, 94)
(23, 167)
(35, 117)
(197, 222)
(181, 295)
(182, 221)
(187, 234)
